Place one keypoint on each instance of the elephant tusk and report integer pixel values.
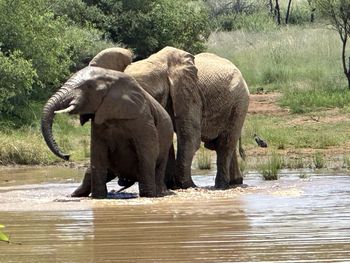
(66, 110)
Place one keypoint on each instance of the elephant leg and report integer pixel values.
(188, 142)
(235, 174)
(170, 169)
(147, 153)
(99, 165)
(238, 121)
(146, 179)
(84, 189)
(224, 156)
(161, 189)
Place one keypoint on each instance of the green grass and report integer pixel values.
(281, 132)
(319, 161)
(26, 145)
(301, 62)
(203, 158)
(271, 167)
(346, 161)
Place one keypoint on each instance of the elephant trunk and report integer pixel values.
(60, 100)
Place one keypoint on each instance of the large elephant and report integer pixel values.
(207, 98)
(131, 133)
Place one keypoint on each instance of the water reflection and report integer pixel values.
(182, 232)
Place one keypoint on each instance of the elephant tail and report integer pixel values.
(240, 149)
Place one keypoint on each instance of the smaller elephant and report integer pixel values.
(131, 133)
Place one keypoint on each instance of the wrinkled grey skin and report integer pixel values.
(131, 133)
(207, 98)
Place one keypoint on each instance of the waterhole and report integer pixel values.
(289, 220)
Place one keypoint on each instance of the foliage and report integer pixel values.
(319, 161)
(338, 13)
(300, 62)
(182, 24)
(4, 237)
(17, 76)
(145, 26)
(257, 15)
(71, 137)
(270, 169)
(250, 22)
(203, 159)
(38, 52)
(283, 130)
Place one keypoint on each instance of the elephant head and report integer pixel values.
(93, 93)
(112, 58)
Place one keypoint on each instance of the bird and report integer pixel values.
(125, 183)
(260, 141)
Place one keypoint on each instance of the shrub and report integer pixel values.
(270, 169)
(148, 26)
(17, 76)
(38, 52)
(203, 159)
(319, 161)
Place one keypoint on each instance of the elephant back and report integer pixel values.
(224, 90)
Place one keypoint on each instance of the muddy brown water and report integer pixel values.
(289, 220)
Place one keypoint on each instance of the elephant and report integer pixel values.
(207, 99)
(131, 133)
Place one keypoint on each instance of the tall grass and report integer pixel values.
(270, 169)
(26, 145)
(301, 62)
(203, 158)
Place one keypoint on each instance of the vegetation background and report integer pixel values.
(284, 46)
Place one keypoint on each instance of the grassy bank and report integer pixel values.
(26, 145)
(301, 62)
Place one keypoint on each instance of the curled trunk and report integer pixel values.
(60, 100)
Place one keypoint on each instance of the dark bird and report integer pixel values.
(125, 183)
(260, 141)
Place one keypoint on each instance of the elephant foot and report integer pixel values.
(148, 194)
(81, 191)
(236, 181)
(99, 193)
(165, 193)
(221, 184)
(187, 184)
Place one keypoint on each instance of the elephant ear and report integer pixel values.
(122, 101)
(112, 58)
(183, 78)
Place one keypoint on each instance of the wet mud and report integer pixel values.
(289, 220)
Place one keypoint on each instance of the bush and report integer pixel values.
(270, 169)
(260, 21)
(203, 159)
(148, 26)
(17, 76)
(38, 52)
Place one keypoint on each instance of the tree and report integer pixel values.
(312, 10)
(145, 26)
(277, 13)
(338, 13)
(288, 11)
(38, 50)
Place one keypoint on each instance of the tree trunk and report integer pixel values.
(312, 10)
(344, 39)
(278, 13)
(288, 11)
(271, 7)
